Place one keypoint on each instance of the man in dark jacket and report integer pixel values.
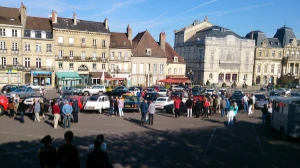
(144, 110)
(97, 158)
(215, 104)
(75, 110)
(223, 105)
(198, 107)
(189, 105)
(21, 109)
(47, 153)
(67, 154)
(61, 105)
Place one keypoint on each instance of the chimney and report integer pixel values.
(252, 35)
(54, 16)
(162, 40)
(23, 13)
(106, 23)
(75, 19)
(129, 33)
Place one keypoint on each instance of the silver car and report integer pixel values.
(22, 92)
(260, 100)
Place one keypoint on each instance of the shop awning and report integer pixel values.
(115, 79)
(175, 80)
(67, 75)
(99, 75)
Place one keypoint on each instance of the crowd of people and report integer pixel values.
(67, 155)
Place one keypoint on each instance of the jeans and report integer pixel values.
(143, 118)
(246, 107)
(222, 112)
(121, 112)
(22, 116)
(110, 111)
(151, 116)
(75, 117)
(189, 112)
(230, 120)
(67, 118)
(37, 117)
(177, 114)
(206, 111)
(264, 117)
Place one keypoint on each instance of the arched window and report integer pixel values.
(169, 71)
(175, 71)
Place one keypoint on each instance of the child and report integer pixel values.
(101, 140)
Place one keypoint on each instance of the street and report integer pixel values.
(170, 142)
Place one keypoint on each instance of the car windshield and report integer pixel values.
(274, 94)
(163, 90)
(260, 98)
(237, 96)
(131, 99)
(131, 89)
(161, 99)
(19, 90)
(93, 98)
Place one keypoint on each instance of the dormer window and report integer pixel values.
(32, 34)
(43, 34)
(148, 51)
(175, 59)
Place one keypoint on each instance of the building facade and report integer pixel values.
(215, 55)
(81, 48)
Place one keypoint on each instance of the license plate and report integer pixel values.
(127, 105)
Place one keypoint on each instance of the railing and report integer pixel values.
(15, 51)
(42, 68)
(3, 51)
(120, 59)
(83, 45)
(80, 58)
(120, 70)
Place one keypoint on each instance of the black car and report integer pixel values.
(117, 92)
(151, 96)
(132, 103)
(237, 97)
(8, 88)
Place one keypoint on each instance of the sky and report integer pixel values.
(241, 16)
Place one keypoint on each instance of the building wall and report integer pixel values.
(179, 67)
(292, 59)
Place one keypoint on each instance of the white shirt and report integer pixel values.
(245, 99)
(253, 98)
(103, 147)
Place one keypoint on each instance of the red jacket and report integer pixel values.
(177, 103)
(56, 109)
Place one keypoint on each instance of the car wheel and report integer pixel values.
(86, 93)
(1, 111)
(100, 93)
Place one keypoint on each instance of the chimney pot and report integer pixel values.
(129, 33)
(162, 40)
(75, 18)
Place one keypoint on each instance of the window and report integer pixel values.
(15, 61)
(126, 55)
(280, 54)
(155, 68)
(14, 33)
(175, 71)
(258, 68)
(112, 55)
(43, 34)
(71, 53)
(60, 40)
(2, 32)
(83, 41)
(119, 55)
(94, 42)
(210, 76)
(169, 71)
(272, 68)
(266, 69)
(32, 34)
(60, 65)
(287, 53)
(103, 66)
(27, 62)
(161, 68)
(38, 63)
(3, 61)
(71, 65)
(2, 45)
(112, 66)
(49, 48)
(83, 55)
(293, 53)
(94, 55)
(273, 53)
(175, 59)
(180, 71)
(94, 66)
(259, 53)
(141, 68)
(14, 46)
(234, 77)
(297, 53)
(38, 48)
(71, 41)
(221, 77)
(60, 53)
(134, 68)
(279, 70)
(227, 77)
(245, 77)
(103, 43)
(148, 51)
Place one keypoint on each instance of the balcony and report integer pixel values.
(122, 59)
(80, 59)
(14, 51)
(120, 71)
(3, 51)
(42, 68)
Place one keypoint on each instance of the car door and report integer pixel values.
(29, 101)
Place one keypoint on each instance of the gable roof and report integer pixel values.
(10, 16)
(171, 53)
(82, 25)
(37, 23)
(260, 36)
(285, 34)
(119, 40)
(144, 40)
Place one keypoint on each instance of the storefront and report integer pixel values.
(99, 77)
(10, 76)
(42, 78)
(67, 78)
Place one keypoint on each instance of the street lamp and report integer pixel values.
(117, 69)
(190, 75)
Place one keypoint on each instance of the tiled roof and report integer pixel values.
(82, 25)
(10, 16)
(119, 40)
(171, 53)
(37, 23)
(274, 43)
(284, 34)
(144, 40)
(260, 37)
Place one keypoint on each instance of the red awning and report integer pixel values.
(114, 78)
(175, 80)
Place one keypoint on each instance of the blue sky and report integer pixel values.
(241, 16)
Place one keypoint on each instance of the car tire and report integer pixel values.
(86, 93)
(1, 111)
(100, 93)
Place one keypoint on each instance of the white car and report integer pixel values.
(162, 92)
(98, 102)
(281, 90)
(95, 89)
(209, 91)
(222, 90)
(163, 101)
(35, 87)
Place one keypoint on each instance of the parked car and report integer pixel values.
(3, 104)
(283, 90)
(95, 89)
(30, 101)
(151, 96)
(222, 91)
(273, 95)
(196, 91)
(7, 88)
(35, 87)
(125, 89)
(178, 88)
(116, 93)
(132, 103)
(66, 95)
(97, 102)
(150, 89)
(210, 91)
(23, 93)
(260, 100)
(162, 92)
(163, 101)
(134, 90)
(237, 97)
(295, 94)
(238, 91)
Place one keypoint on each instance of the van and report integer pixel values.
(286, 116)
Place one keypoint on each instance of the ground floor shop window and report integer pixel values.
(42, 80)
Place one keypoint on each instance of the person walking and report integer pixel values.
(211, 105)
(230, 114)
(223, 105)
(264, 111)
(245, 103)
(219, 98)
(121, 106)
(75, 110)
(198, 107)
(67, 111)
(21, 109)
(47, 153)
(253, 98)
(111, 107)
(250, 103)
(189, 105)
(144, 110)
(206, 105)
(151, 111)
(177, 103)
(56, 113)
(227, 105)
(61, 105)
(67, 154)
(37, 110)
(235, 110)
(97, 158)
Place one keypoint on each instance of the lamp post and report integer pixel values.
(19, 68)
(117, 69)
(190, 75)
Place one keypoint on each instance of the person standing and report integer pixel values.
(230, 114)
(47, 153)
(97, 158)
(75, 110)
(215, 104)
(264, 111)
(144, 110)
(250, 103)
(245, 103)
(177, 107)
(211, 105)
(21, 109)
(11, 107)
(219, 98)
(227, 105)
(111, 107)
(235, 110)
(206, 105)
(56, 113)
(67, 154)
(253, 98)
(198, 107)
(67, 111)
(151, 111)
(121, 106)
(223, 105)
(189, 105)
(138, 95)
(37, 110)
(116, 108)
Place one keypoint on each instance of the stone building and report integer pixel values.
(12, 21)
(215, 54)
(148, 60)
(81, 49)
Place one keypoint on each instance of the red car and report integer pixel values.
(79, 100)
(3, 104)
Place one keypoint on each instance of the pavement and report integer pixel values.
(170, 142)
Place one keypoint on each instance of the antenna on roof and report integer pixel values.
(73, 10)
(285, 22)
